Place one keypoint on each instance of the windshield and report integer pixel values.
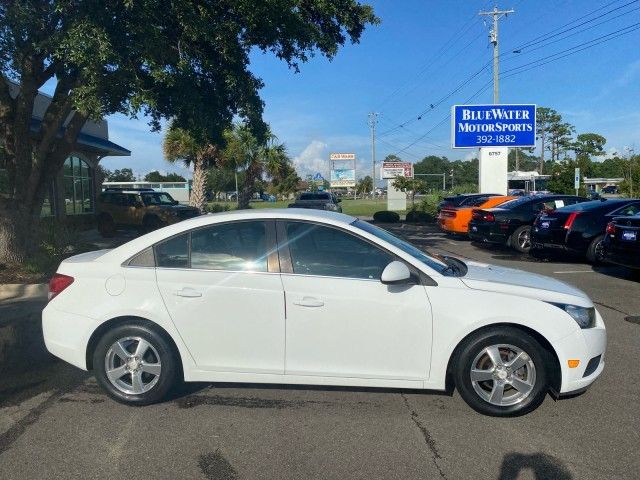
(157, 198)
(429, 260)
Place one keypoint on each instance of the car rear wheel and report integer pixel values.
(521, 239)
(135, 364)
(106, 226)
(151, 223)
(502, 372)
(595, 252)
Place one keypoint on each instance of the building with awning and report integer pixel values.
(72, 194)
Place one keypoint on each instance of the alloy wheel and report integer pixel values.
(524, 239)
(503, 374)
(132, 365)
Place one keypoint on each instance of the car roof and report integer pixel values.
(138, 244)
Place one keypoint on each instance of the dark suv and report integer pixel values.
(142, 209)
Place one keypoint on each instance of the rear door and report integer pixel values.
(222, 289)
(341, 320)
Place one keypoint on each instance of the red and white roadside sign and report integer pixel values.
(396, 169)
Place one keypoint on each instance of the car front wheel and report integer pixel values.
(135, 364)
(502, 372)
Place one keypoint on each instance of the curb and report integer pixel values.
(23, 291)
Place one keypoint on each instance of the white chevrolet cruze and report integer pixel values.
(310, 297)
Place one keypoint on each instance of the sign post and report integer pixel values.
(493, 129)
(396, 199)
(576, 180)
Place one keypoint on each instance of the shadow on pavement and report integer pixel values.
(542, 466)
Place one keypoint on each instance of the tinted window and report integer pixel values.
(474, 202)
(173, 253)
(627, 210)
(237, 246)
(319, 250)
(314, 196)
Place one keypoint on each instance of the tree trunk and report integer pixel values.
(19, 226)
(198, 197)
(247, 190)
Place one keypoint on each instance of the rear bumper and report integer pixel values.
(450, 226)
(66, 335)
(487, 233)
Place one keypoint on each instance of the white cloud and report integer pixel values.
(314, 158)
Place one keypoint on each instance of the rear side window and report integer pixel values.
(475, 202)
(237, 246)
(173, 253)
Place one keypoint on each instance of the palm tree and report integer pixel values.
(180, 145)
(258, 159)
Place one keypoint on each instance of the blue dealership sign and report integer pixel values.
(474, 126)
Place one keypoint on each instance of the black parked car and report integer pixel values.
(510, 223)
(318, 201)
(463, 200)
(578, 229)
(622, 242)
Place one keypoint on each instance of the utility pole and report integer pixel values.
(373, 119)
(493, 35)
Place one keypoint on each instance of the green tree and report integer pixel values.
(364, 185)
(546, 120)
(156, 176)
(559, 138)
(186, 60)
(180, 145)
(412, 186)
(259, 159)
(123, 175)
(220, 180)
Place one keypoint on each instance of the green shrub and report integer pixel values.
(216, 207)
(386, 216)
(425, 211)
(416, 216)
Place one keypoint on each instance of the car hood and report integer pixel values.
(481, 276)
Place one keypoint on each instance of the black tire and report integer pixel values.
(538, 375)
(518, 239)
(106, 226)
(151, 223)
(595, 252)
(161, 352)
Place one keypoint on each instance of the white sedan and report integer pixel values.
(312, 297)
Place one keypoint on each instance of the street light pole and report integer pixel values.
(373, 119)
(493, 35)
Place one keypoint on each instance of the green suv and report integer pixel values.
(142, 209)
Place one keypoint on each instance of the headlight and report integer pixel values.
(584, 317)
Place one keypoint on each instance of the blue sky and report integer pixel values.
(419, 54)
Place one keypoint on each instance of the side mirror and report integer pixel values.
(396, 273)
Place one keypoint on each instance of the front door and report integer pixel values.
(224, 294)
(341, 320)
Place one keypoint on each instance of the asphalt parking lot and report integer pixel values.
(56, 423)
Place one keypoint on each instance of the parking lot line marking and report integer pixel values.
(576, 271)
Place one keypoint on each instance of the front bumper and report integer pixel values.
(584, 345)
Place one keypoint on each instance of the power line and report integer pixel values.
(548, 34)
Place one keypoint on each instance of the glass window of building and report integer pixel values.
(78, 186)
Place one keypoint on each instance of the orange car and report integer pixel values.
(456, 220)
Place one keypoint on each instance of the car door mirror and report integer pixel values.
(396, 273)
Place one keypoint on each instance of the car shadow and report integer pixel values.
(542, 465)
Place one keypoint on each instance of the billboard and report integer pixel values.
(342, 156)
(396, 169)
(343, 177)
(474, 126)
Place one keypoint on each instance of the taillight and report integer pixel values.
(480, 215)
(58, 283)
(611, 228)
(489, 217)
(570, 220)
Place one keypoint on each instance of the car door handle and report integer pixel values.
(309, 302)
(188, 293)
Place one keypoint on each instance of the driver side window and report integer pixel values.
(330, 252)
